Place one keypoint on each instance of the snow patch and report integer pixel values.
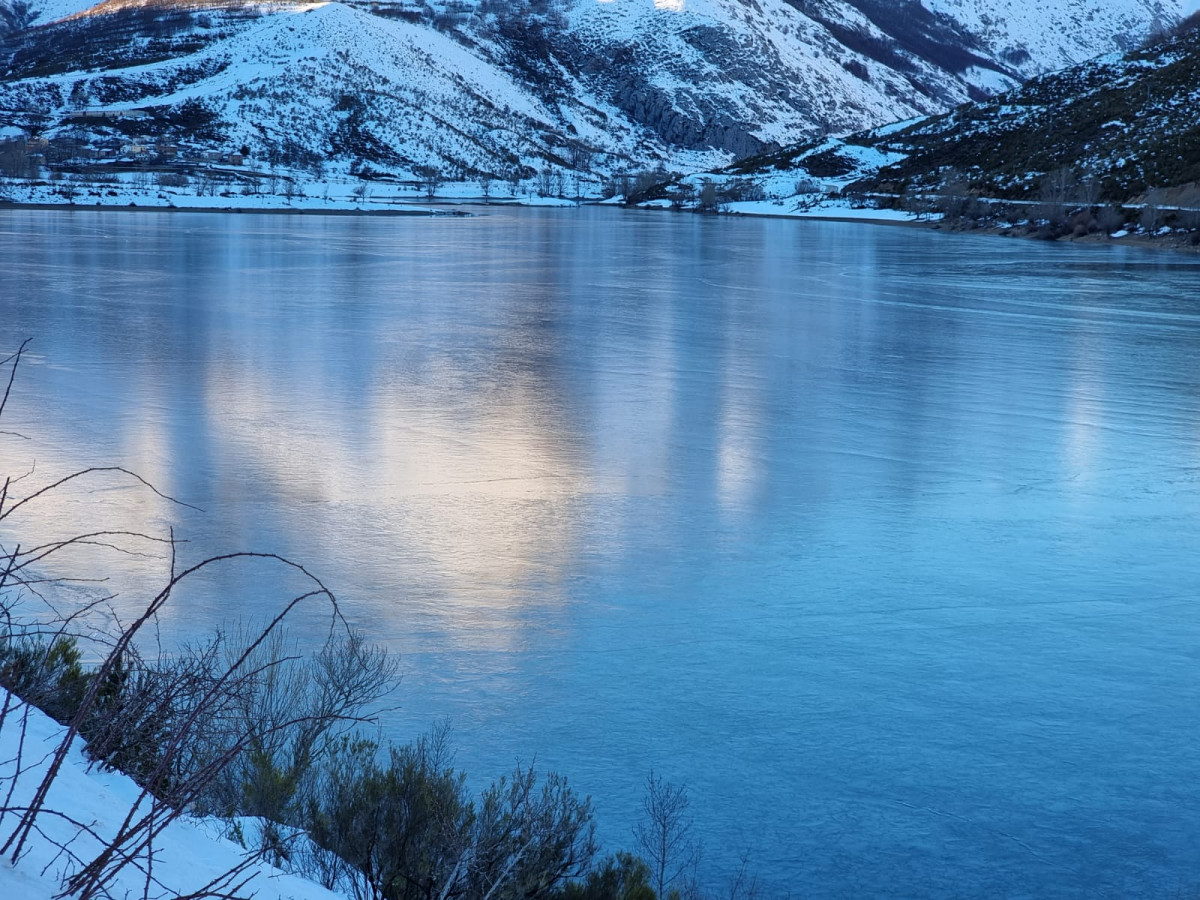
(186, 856)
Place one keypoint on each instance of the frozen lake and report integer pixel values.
(886, 542)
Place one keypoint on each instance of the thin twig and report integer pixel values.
(15, 359)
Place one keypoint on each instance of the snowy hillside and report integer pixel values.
(525, 89)
(741, 76)
(302, 85)
(716, 73)
(86, 806)
(1055, 35)
(50, 10)
(1107, 146)
(1125, 123)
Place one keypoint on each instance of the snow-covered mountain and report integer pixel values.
(1108, 145)
(510, 89)
(1054, 35)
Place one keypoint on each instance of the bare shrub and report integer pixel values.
(740, 190)
(1057, 193)
(14, 159)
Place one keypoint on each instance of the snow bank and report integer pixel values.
(827, 209)
(186, 856)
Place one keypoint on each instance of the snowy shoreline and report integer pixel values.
(455, 206)
(765, 210)
(85, 808)
(239, 210)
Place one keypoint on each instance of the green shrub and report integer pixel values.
(621, 876)
(44, 672)
(409, 829)
(403, 824)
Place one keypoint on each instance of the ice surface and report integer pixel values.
(883, 540)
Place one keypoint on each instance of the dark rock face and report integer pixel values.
(685, 119)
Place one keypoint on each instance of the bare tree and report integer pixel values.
(664, 833)
(685, 195)
(743, 884)
(80, 97)
(431, 181)
(1058, 190)
(1088, 191)
(954, 199)
(14, 159)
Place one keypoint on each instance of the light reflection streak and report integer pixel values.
(1084, 414)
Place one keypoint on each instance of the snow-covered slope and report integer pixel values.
(1056, 35)
(340, 82)
(50, 10)
(301, 85)
(738, 77)
(1126, 122)
(741, 75)
(86, 806)
(1117, 133)
(505, 90)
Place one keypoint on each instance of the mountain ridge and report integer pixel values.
(509, 90)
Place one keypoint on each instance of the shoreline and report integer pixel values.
(231, 210)
(1169, 242)
(1172, 242)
